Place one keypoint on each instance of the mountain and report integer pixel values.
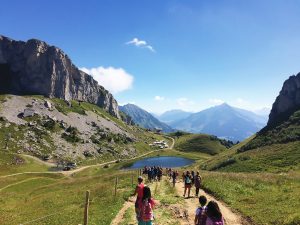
(223, 121)
(143, 118)
(287, 102)
(284, 120)
(34, 67)
(172, 116)
(275, 148)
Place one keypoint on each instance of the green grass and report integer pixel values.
(31, 197)
(62, 106)
(8, 164)
(199, 143)
(274, 158)
(265, 198)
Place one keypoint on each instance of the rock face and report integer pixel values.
(287, 102)
(34, 67)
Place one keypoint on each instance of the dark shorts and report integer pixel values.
(188, 185)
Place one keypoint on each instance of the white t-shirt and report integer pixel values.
(198, 210)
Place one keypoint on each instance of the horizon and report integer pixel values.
(171, 54)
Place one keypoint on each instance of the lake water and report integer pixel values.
(163, 161)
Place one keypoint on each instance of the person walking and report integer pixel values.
(200, 217)
(139, 190)
(214, 215)
(146, 215)
(197, 182)
(174, 178)
(187, 183)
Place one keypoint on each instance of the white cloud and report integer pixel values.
(184, 102)
(216, 101)
(140, 44)
(159, 98)
(113, 79)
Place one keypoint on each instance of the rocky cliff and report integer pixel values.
(287, 102)
(34, 67)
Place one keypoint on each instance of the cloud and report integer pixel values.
(216, 101)
(159, 98)
(140, 44)
(184, 102)
(113, 79)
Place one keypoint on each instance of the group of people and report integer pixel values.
(154, 173)
(190, 179)
(209, 214)
(144, 203)
(206, 214)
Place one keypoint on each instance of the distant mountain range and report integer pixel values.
(223, 121)
(143, 118)
(171, 116)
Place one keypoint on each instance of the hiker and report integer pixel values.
(187, 183)
(183, 176)
(139, 192)
(193, 176)
(146, 215)
(174, 177)
(197, 182)
(200, 217)
(214, 215)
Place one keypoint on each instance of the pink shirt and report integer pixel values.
(211, 222)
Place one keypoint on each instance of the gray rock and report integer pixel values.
(34, 67)
(287, 102)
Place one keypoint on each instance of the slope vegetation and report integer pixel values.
(200, 143)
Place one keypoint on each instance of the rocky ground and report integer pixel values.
(52, 133)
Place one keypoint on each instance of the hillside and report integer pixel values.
(67, 131)
(143, 118)
(200, 143)
(223, 121)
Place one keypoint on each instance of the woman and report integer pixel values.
(146, 215)
(197, 181)
(139, 190)
(187, 183)
(214, 215)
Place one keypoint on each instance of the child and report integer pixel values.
(200, 217)
(214, 215)
(146, 208)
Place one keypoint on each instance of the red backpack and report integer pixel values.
(146, 212)
(202, 216)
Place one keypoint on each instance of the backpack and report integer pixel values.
(188, 180)
(146, 212)
(202, 216)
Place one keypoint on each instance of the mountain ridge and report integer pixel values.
(144, 118)
(34, 67)
(223, 121)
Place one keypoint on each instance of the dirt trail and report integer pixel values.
(119, 218)
(191, 205)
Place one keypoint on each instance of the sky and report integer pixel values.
(171, 54)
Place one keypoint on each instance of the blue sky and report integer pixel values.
(167, 54)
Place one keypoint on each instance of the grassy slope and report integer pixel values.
(199, 143)
(264, 198)
(274, 150)
(39, 195)
(283, 133)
